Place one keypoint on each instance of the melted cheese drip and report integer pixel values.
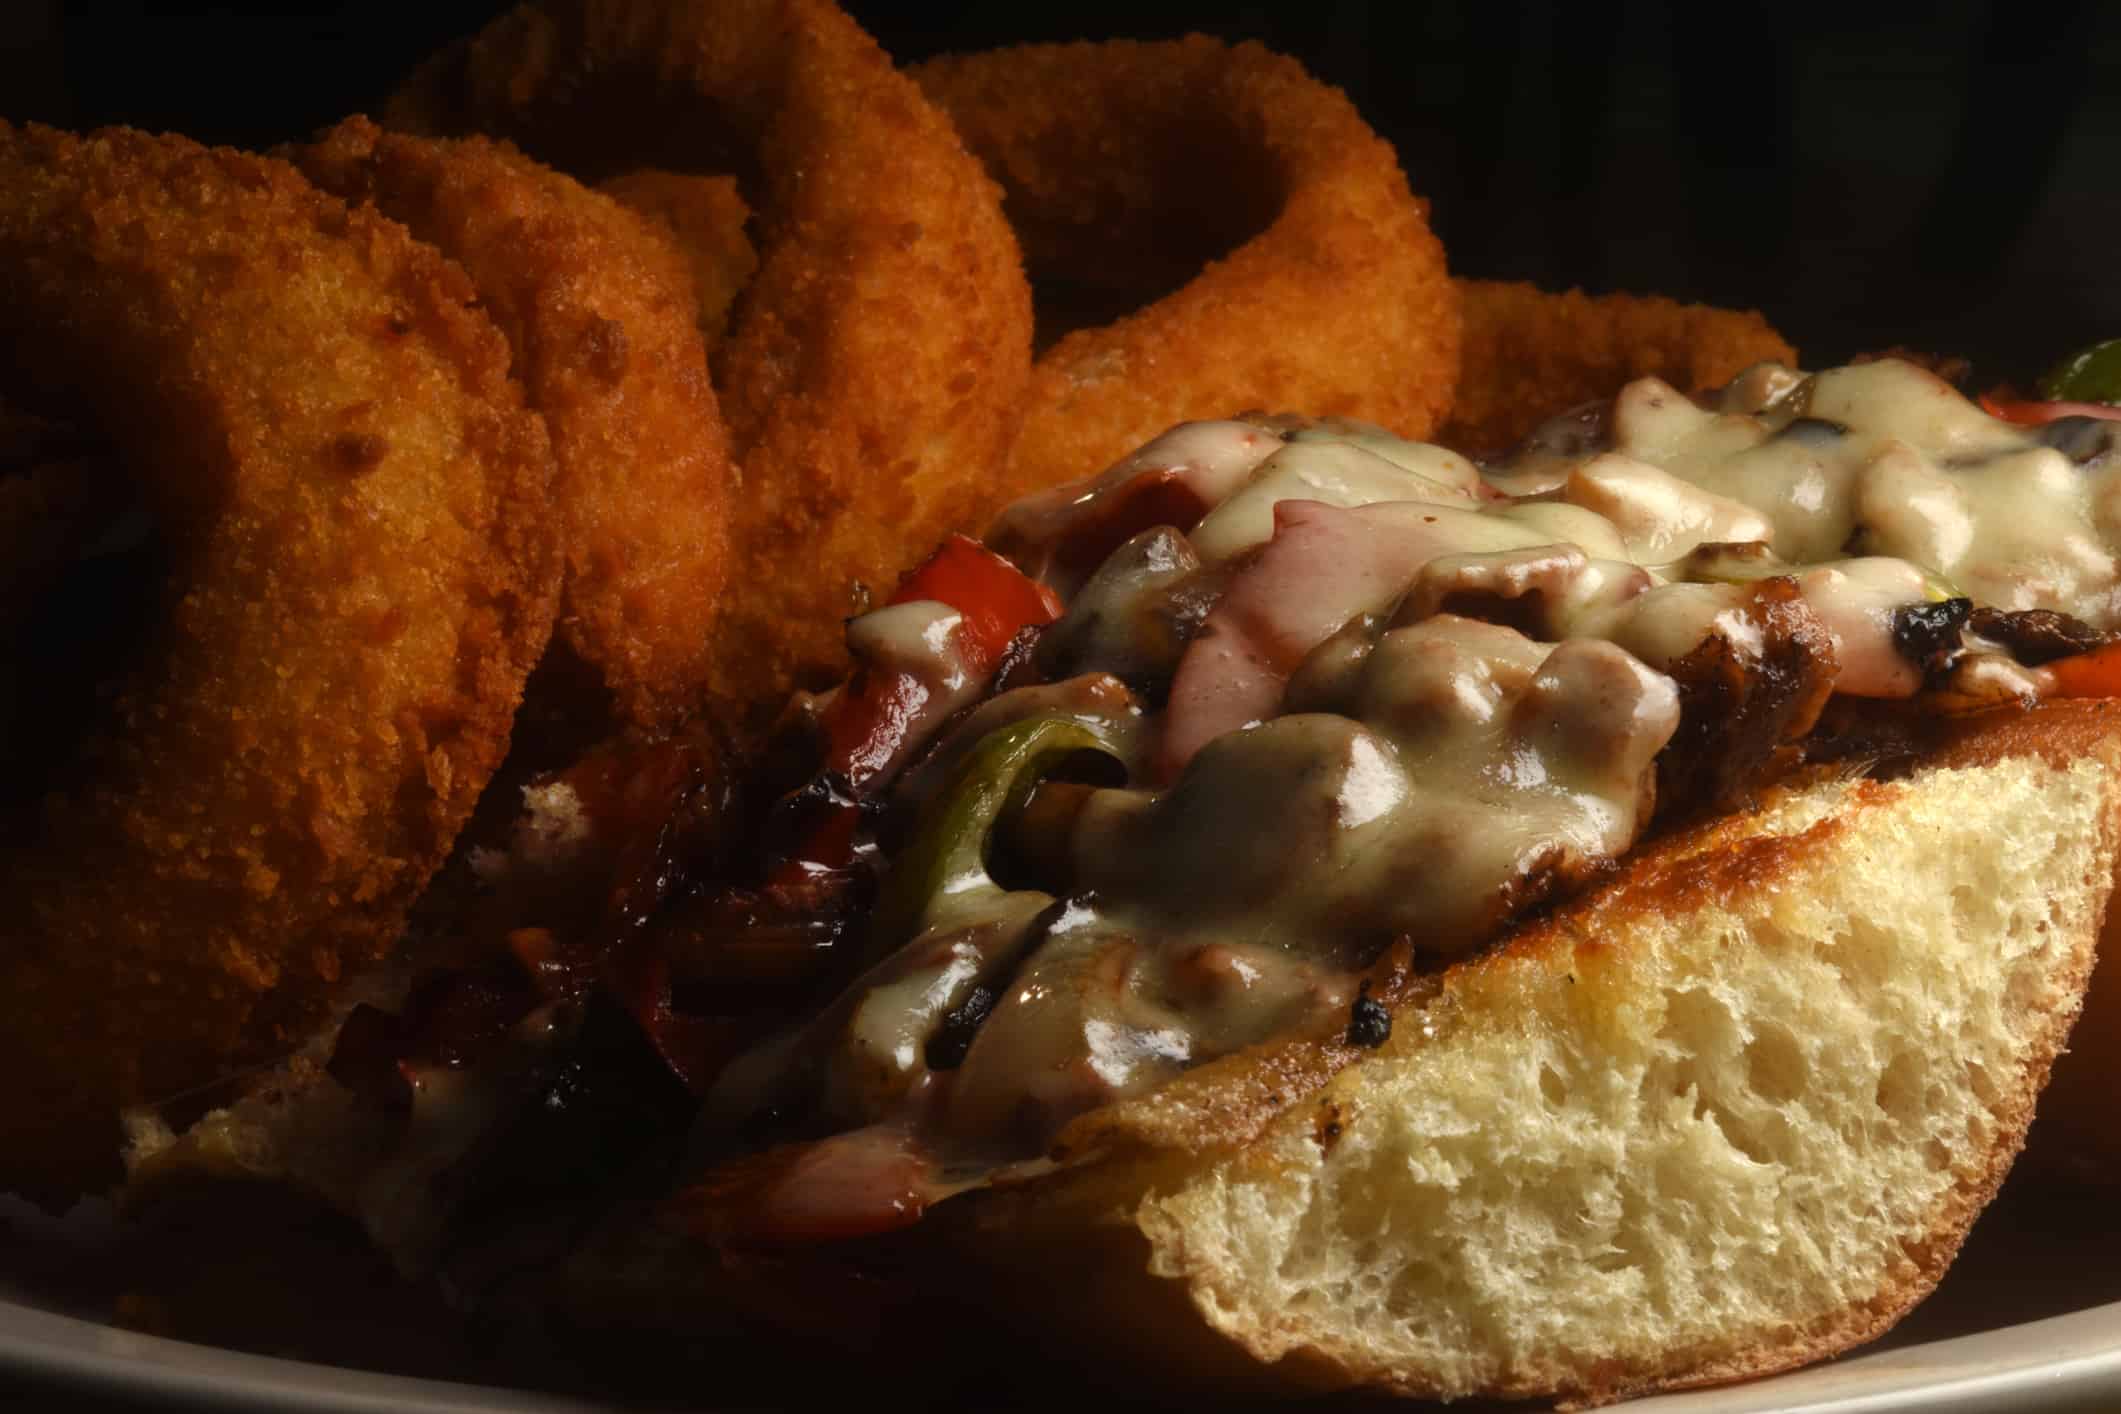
(1889, 460)
(1345, 759)
(1449, 775)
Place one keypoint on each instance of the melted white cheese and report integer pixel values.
(1345, 757)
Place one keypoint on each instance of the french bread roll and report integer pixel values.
(1731, 1112)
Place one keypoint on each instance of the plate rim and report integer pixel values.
(1990, 1369)
(91, 1355)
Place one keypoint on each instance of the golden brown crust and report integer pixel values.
(873, 376)
(354, 498)
(600, 317)
(1530, 354)
(1303, 270)
(705, 218)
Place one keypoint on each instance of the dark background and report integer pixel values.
(1943, 176)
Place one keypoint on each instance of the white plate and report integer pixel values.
(2035, 1253)
(2064, 1363)
(89, 1359)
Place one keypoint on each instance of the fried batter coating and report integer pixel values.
(599, 313)
(1530, 354)
(873, 376)
(352, 499)
(1127, 166)
(705, 217)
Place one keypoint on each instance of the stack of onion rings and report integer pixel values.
(876, 363)
(704, 217)
(1124, 164)
(599, 314)
(352, 497)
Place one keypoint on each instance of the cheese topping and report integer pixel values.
(1348, 690)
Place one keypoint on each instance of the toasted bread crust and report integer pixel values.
(1101, 1225)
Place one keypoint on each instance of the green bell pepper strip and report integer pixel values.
(947, 858)
(2090, 375)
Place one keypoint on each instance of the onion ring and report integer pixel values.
(1530, 354)
(599, 312)
(705, 217)
(351, 496)
(875, 368)
(1124, 163)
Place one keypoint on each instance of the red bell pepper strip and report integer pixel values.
(866, 725)
(867, 721)
(2093, 674)
(695, 1048)
(2029, 412)
(1163, 495)
(997, 599)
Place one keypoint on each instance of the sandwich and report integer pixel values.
(1300, 911)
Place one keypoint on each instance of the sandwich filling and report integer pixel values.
(1189, 752)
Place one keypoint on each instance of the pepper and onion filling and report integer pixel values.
(1351, 690)
(1167, 767)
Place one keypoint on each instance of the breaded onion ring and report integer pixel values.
(1127, 164)
(1530, 354)
(351, 496)
(599, 312)
(874, 372)
(705, 217)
